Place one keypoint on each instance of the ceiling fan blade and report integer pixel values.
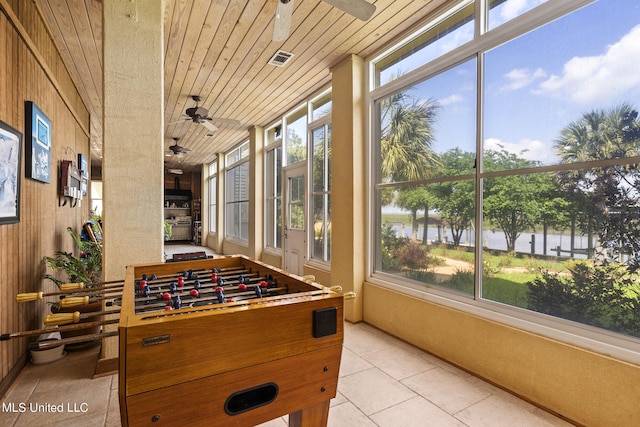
(177, 121)
(358, 8)
(283, 20)
(225, 121)
(209, 125)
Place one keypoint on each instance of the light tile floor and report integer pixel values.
(383, 382)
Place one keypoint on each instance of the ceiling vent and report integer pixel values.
(280, 58)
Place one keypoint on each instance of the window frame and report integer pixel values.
(325, 123)
(232, 163)
(585, 336)
(273, 141)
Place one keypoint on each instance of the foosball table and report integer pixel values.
(226, 342)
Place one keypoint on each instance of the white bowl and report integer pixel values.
(47, 355)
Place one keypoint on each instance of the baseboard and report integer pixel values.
(105, 367)
(8, 381)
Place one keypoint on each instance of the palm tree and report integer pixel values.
(605, 195)
(406, 140)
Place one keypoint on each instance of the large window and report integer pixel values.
(273, 187)
(304, 134)
(237, 193)
(213, 197)
(530, 201)
(296, 136)
(321, 192)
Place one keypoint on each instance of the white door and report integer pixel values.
(294, 230)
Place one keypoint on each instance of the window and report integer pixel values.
(213, 203)
(321, 106)
(554, 163)
(237, 195)
(427, 137)
(286, 144)
(296, 136)
(441, 36)
(501, 11)
(321, 193)
(273, 187)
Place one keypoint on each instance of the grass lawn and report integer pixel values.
(508, 288)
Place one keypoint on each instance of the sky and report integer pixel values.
(539, 83)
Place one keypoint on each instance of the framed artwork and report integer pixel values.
(83, 165)
(38, 146)
(10, 161)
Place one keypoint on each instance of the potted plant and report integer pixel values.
(84, 267)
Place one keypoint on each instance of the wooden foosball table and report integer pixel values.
(226, 342)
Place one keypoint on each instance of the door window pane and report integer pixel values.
(296, 203)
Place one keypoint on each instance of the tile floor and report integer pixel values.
(383, 382)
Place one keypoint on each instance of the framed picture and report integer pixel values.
(38, 146)
(10, 161)
(83, 165)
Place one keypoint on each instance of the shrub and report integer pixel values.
(605, 296)
(415, 256)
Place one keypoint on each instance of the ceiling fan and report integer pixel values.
(358, 8)
(177, 149)
(200, 115)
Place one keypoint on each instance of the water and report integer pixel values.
(495, 240)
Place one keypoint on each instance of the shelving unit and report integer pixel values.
(177, 212)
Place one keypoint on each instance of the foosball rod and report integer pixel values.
(174, 278)
(36, 296)
(204, 284)
(167, 277)
(71, 327)
(209, 300)
(207, 287)
(75, 317)
(43, 345)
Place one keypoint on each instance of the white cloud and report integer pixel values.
(513, 8)
(529, 149)
(522, 77)
(598, 78)
(452, 99)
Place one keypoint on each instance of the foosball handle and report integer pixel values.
(349, 295)
(30, 296)
(74, 301)
(71, 286)
(62, 318)
(336, 288)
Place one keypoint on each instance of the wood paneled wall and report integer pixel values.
(31, 69)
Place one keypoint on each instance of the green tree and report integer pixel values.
(406, 138)
(414, 199)
(605, 196)
(455, 200)
(407, 127)
(513, 203)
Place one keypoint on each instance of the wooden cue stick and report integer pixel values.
(5, 337)
(43, 345)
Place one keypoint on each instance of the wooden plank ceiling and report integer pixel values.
(219, 49)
